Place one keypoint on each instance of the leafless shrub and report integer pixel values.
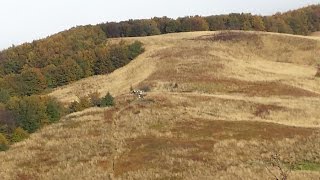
(95, 98)
(279, 170)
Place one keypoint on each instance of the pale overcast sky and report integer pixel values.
(26, 20)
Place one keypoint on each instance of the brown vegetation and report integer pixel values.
(233, 107)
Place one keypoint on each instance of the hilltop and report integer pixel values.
(220, 104)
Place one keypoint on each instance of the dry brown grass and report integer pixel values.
(219, 106)
(316, 34)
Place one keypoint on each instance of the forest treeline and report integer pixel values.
(29, 70)
(302, 21)
(65, 57)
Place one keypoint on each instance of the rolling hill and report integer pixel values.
(220, 105)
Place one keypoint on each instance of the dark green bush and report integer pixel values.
(29, 112)
(32, 112)
(4, 95)
(108, 100)
(135, 49)
(54, 110)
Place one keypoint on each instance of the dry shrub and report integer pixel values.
(4, 143)
(95, 98)
(82, 104)
(19, 134)
(280, 171)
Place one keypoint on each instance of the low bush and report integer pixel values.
(4, 144)
(135, 49)
(29, 112)
(32, 112)
(92, 100)
(108, 100)
(4, 96)
(54, 110)
(82, 104)
(95, 99)
(19, 134)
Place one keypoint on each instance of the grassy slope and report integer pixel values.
(316, 34)
(236, 103)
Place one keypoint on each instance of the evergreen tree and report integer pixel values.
(108, 100)
(32, 81)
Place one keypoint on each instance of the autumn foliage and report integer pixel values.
(30, 69)
(302, 21)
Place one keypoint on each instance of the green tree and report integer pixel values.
(32, 81)
(54, 110)
(29, 112)
(49, 72)
(119, 55)
(216, 22)
(4, 95)
(233, 21)
(108, 100)
(134, 50)
(195, 23)
(257, 23)
(12, 66)
(150, 27)
(298, 22)
(103, 64)
(172, 26)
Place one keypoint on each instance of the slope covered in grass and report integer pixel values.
(221, 103)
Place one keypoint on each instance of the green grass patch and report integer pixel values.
(159, 125)
(307, 166)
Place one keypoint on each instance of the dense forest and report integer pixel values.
(30, 69)
(302, 21)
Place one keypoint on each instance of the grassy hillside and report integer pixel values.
(316, 34)
(29, 71)
(220, 104)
